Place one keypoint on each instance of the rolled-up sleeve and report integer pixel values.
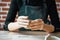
(52, 11)
(11, 14)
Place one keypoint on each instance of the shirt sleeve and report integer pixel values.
(11, 14)
(52, 11)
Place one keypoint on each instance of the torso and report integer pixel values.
(33, 9)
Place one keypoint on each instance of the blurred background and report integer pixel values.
(4, 7)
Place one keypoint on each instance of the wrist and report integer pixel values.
(13, 26)
(42, 27)
(48, 28)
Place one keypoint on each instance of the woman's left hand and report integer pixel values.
(36, 24)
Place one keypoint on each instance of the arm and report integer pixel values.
(11, 14)
(52, 11)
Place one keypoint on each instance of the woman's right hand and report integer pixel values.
(22, 21)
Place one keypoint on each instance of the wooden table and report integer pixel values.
(25, 35)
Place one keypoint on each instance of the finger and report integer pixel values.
(26, 21)
(32, 21)
(40, 20)
(34, 28)
(35, 24)
(23, 23)
(40, 27)
(18, 20)
(23, 17)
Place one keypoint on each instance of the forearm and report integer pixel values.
(52, 11)
(48, 28)
(12, 11)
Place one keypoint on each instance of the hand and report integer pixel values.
(36, 24)
(22, 21)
